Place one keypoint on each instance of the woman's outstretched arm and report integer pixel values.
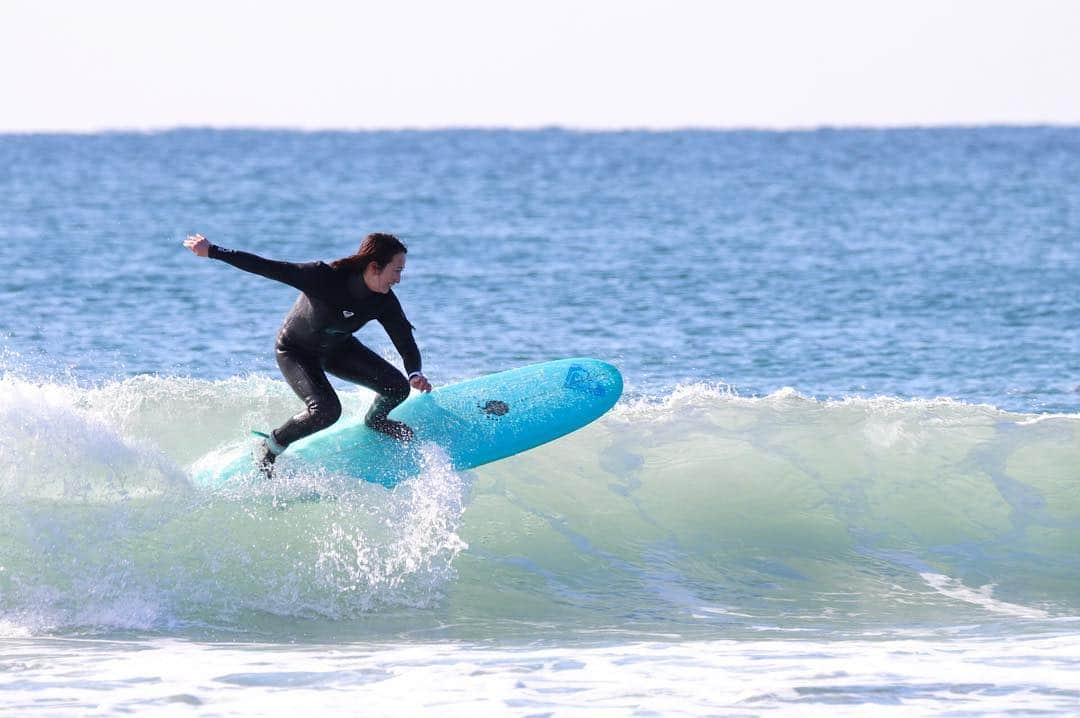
(306, 277)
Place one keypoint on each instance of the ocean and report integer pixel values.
(841, 480)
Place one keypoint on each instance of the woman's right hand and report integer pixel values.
(198, 244)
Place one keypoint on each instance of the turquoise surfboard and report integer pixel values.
(475, 422)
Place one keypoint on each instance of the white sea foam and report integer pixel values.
(983, 597)
(919, 676)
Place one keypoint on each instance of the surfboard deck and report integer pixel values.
(475, 422)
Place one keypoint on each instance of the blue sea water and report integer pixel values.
(842, 478)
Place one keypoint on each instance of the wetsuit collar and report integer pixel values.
(357, 287)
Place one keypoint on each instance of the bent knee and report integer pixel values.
(324, 411)
(398, 390)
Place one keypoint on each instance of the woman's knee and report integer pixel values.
(397, 390)
(324, 411)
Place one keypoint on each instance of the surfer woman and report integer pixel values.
(336, 299)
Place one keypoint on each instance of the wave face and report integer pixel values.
(699, 513)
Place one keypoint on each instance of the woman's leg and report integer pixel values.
(356, 363)
(304, 373)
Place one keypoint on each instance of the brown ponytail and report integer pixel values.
(377, 247)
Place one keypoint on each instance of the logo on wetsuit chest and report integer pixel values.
(346, 313)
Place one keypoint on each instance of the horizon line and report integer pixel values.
(542, 127)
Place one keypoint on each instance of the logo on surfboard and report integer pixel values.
(495, 408)
(579, 379)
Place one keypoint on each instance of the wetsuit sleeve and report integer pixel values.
(307, 277)
(401, 334)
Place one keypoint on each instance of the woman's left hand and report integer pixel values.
(420, 383)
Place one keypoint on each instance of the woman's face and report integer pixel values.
(381, 281)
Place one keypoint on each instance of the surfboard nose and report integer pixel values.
(594, 378)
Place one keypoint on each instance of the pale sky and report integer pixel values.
(145, 64)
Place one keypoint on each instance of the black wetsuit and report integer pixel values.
(317, 337)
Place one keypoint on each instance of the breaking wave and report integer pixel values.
(696, 512)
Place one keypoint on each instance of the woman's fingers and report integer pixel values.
(197, 244)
